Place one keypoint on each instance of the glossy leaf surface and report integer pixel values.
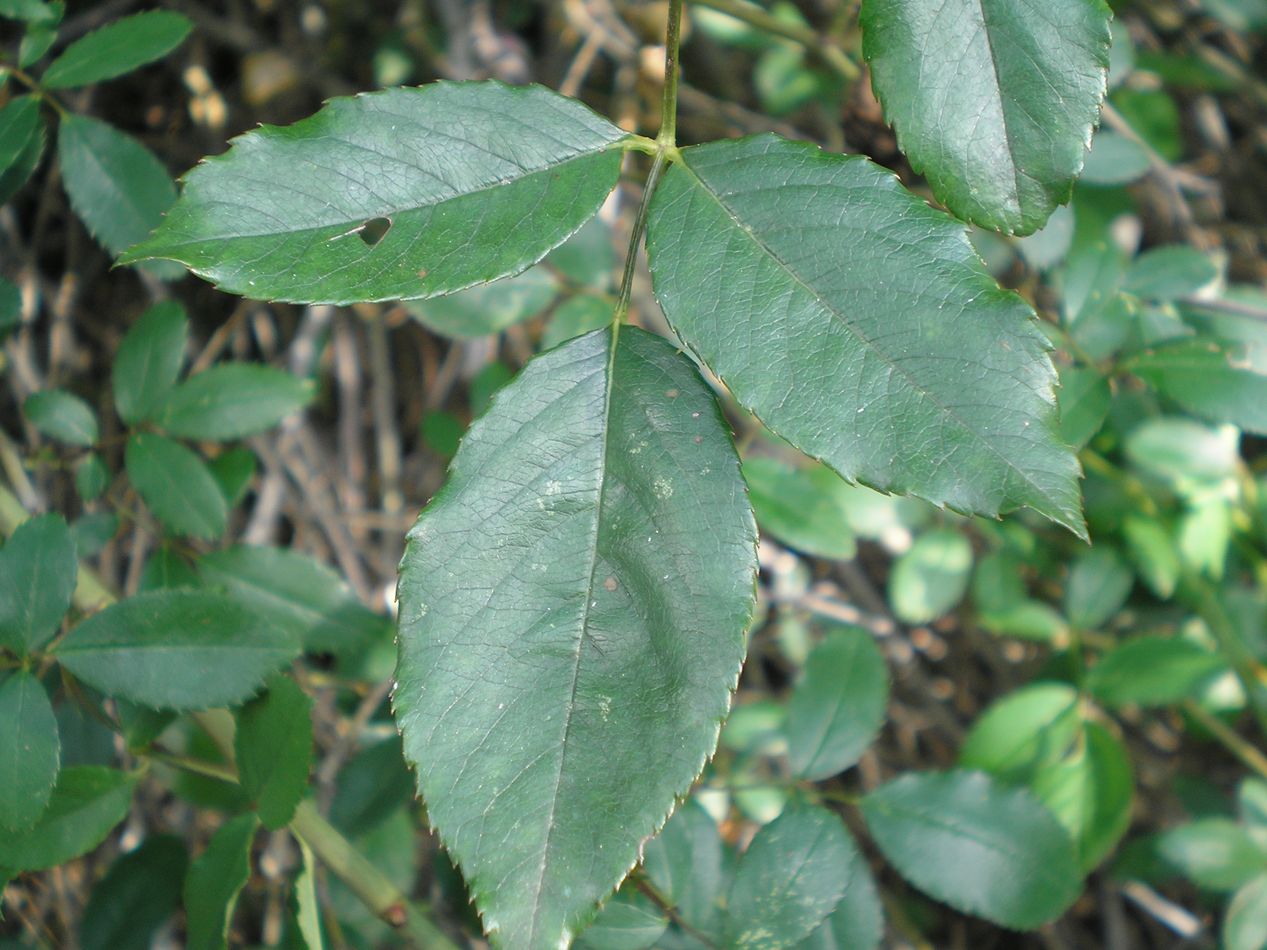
(29, 751)
(859, 325)
(472, 181)
(176, 649)
(117, 48)
(574, 596)
(982, 848)
(994, 101)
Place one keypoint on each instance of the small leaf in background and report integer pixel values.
(32, 12)
(838, 707)
(922, 377)
(1096, 314)
(274, 750)
(117, 48)
(37, 41)
(1047, 246)
(1114, 160)
(629, 921)
(686, 863)
(233, 470)
(803, 507)
(1220, 382)
(575, 317)
(1168, 273)
(94, 531)
(115, 184)
(38, 567)
(1153, 671)
(857, 923)
(485, 385)
(981, 848)
(1022, 732)
(931, 578)
(487, 308)
(29, 751)
(231, 401)
(136, 897)
(375, 785)
(19, 126)
(1090, 792)
(1251, 805)
(1190, 456)
(1245, 926)
(587, 258)
(167, 569)
(442, 432)
(177, 649)
(10, 307)
(993, 103)
(176, 485)
(522, 169)
(295, 592)
(1153, 115)
(87, 802)
(1152, 550)
(307, 907)
(792, 876)
(91, 477)
(62, 416)
(21, 168)
(149, 360)
(1214, 853)
(214, 881)
(1099, 582)
(1084, 404)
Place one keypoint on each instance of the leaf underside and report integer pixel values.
(572, 608)
(858, 324)
(472, 181)
(994, 101)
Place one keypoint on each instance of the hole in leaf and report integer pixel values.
(374, 230)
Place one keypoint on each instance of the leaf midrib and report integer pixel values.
(997, 89)
(859, 335)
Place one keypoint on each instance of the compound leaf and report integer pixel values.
(859, 325)
(994, 101)
(395, 194)
(176, 649)
(117, 48)
(29, 751)
(982, 848)
(574, 596)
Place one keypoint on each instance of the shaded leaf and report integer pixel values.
(626, 922)
(149, 360)
(981, 848)
(30, 752)
(857, 923)
(23, 165)
(901, 363)
(1221, 382)
(474, 180)
(802, 507)
(576, 316)
(176, 649)
(38, 568)
(1099, 583)
(87, 802)
(231, 401)
(1084, 405)
(138, 894)
(19, 127)
(686, 863)
(993, 101)
(1168, 273)
(214, 881)
(273, 743)
(575, 595)
(62, 416)
(176, 484)
(117, 48)
(488, 308)
(1245, 927)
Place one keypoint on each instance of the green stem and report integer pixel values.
(1253, 676)
(667, 137)
(831, 55)
(34, 85)
(1229, 738)
(635, 236)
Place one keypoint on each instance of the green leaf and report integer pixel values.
(686, 863)
(1214, 853)
(10, 307)
(38, 40)
(115, 184)
(231, 401)
(476, 180)
(857, 923)
(576, 316)
(859, 325)
(23, 166)
(233, 470)
(138, 894)
(838, 707)
(931, 578)
(86, 803)
(176, 649)
(297, 593)
(574, 596)
(1084, 405)
(1245, 927)
(1090, 793)
(1153, 671)
(488, 308)
(214, 881)
(274, 750)
(993, 101)
(63, 416)
(176, 484)
(1152, 549)
(1114, 160)
(802, 507)
(38, 568)
(981, 848)
(117, 48)
(625, 923)
(1190, 456)
(149, 360)
(789, 880)
(1168, 273)
(1223, 382)
(587, 258)
(32, 11)
(1022, 732)
(91, 477)
(30, 752)
(1099, 583)
(308, 910)
(19, 127)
